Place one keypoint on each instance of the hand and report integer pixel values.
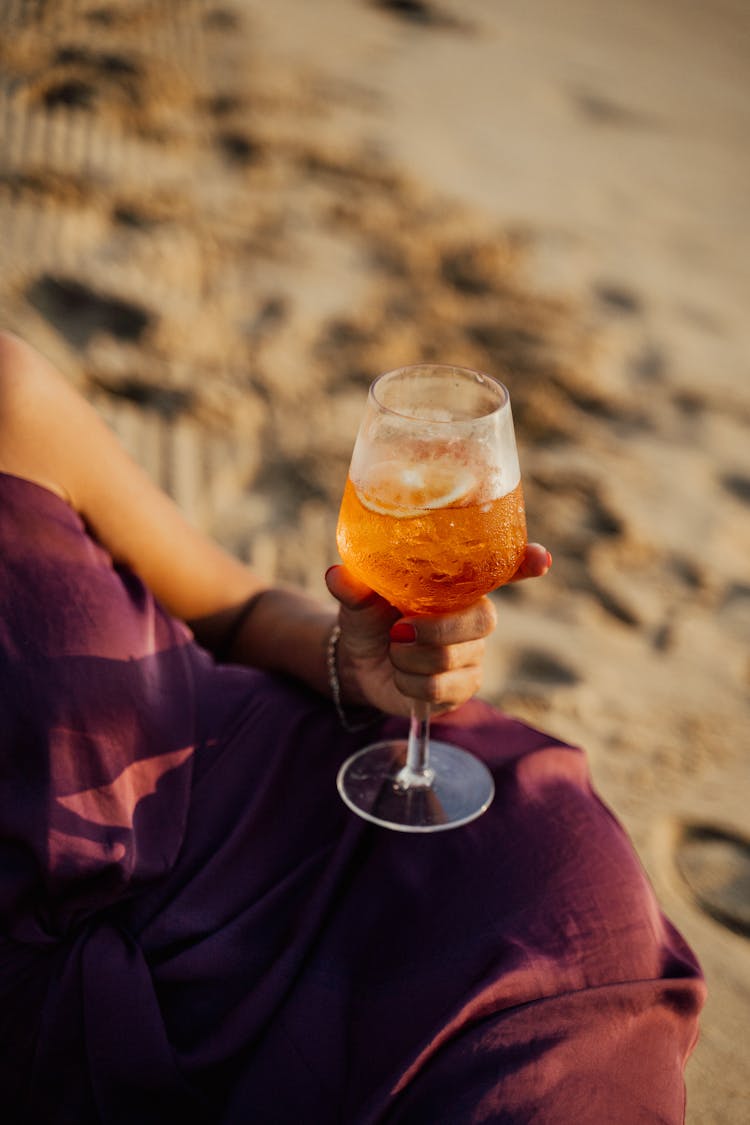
(387, 660)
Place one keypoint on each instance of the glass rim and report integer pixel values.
(459, 369)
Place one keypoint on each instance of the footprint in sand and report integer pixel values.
(714, 864)
(617, 298)
(78, 312)
(541, 667)
(649, 364)
(168, 402)
(222, 19)
(420, 12)
(738, 485)
(135, 217)
(81, 78)
(238, 148)
(734, 613)
(599, 109)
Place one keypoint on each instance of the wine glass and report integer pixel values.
(432, 518)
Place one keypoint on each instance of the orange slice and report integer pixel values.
(406, 489)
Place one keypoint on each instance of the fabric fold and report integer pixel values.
(195, 929)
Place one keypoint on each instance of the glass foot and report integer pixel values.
(460, 788)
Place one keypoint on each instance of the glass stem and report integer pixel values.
(416, 773)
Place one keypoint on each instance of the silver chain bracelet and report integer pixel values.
(335, 686)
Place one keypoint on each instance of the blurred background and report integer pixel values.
(222, 220)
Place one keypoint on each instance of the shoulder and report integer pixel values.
(39, 410)
(25, 374)
(19, 361)
(16, 362)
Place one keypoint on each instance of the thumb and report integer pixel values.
(348, 590)
(365, 616)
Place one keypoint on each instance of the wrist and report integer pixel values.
(352, 693)
(284, 630)
(229, 639)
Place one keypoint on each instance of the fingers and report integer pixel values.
(430, 661)
(536, 562)
(442, 675)
(450, 629)
(439, 659)
(435, 659)
(444, 691)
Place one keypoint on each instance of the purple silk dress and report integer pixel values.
(196, 929)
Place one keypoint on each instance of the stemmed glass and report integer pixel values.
(432, 518)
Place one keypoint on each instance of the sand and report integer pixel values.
(222, 220)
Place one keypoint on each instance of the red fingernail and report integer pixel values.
(549, 560)
(330, 568)
(403, 633)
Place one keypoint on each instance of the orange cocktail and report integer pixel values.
(429, 536)
(432, 518)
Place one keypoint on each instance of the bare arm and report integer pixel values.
(51, 435)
